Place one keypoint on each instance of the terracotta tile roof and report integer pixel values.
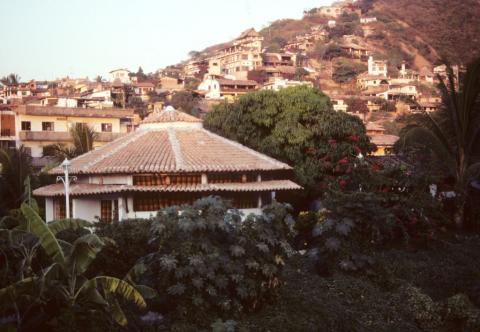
(384, 140)
(77, 112)
(79, 189)
(171, 148)
(224, 81)
(144, 85)
(374, 126)
(170, 115)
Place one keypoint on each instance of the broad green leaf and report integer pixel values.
(111, 285)
(13, 290)
(47, 239)
(84, 251)
(67, 224)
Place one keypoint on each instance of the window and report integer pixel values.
(26, 125)
(108, 210)
(47, 126)
(107, 127)
(59, 209)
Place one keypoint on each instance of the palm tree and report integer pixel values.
(12, 79)
(453, 133)
(99, 79)
(15, 169)
(82, 137)
(39, 297)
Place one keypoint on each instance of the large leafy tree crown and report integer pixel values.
(296, 125)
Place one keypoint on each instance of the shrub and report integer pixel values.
(209, 261)
(368, 209)
(130, 243)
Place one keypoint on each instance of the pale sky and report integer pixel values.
(46, 39)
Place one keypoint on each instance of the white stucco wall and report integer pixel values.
(48, 209)
(86, 209)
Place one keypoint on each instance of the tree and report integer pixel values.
(12, 79)
(346, 70)
(141, 77)
(357, 105)
(99, 79)
(301, 73)
(138, 105)
(453, 133)
(15, 170)
(60, 288)
(298, 126)
(82, 137)
(186, 101)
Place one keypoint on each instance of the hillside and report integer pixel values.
(420, 32)
(450, 27)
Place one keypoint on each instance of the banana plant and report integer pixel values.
(65, 278)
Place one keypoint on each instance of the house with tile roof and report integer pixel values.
(170, 160)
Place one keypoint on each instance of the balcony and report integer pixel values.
(62, 136)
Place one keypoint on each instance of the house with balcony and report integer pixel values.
(170, 160)
(222, 88)
(39, 126)
(7, 127)
(238, 57)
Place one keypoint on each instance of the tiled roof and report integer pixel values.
(224, 81)
(384, 140)
(170, 115)
(171, 148)
(79, 189)
(76, 112)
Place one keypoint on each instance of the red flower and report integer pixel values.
(353, 138)
(342, 183)
(332, 141)
(343, 161)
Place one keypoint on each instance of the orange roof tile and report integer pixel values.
(171, 147)
(170, 115)
(80, 189)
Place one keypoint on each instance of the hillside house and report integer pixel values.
(396, 92)
(121, 75)
(278, 59)
(377, 67)
(142, 89)
(354, 50)
(384, 142)
(222, 88)
(8, 130)
(37, 126)
(365, 81)
(368, 20)
(170, 160)
(172, 84)
(279, 83)
(241, 55)
(339, 104)
(426, 75)
(196, 68)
